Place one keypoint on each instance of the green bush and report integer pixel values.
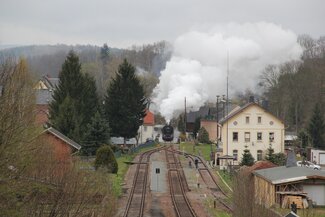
(203, 136)
(105, 159)
(182, 137)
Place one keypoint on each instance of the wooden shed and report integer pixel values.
(284, 185)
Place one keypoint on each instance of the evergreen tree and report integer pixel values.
(181, 124)
(97, 135)
(89, 102)
(278, 158)
(67, 121)
(197, 126)
(270, 154)
(75, 100)
(248, 159)
(125, 103)
(303, 137)
(103, 75)
(203, 136)
(316, 128)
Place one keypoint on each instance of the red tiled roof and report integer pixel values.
(149, 119)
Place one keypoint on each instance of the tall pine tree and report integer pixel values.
(125, 103)
(75, 100)
(316, 128)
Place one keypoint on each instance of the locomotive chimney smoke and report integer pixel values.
(198, 67)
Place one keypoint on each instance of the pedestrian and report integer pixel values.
(190, 164)
(196, 161)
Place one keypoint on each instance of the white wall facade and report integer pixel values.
(145, 132)
(318, 156)
(260, 123)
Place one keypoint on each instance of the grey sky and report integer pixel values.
(122, 23)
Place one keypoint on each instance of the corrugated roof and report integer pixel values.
(63, 137)
(284, 174)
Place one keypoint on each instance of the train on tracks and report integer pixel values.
(167, 133)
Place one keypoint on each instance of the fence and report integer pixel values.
(141, 146)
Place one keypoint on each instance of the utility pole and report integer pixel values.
(227, 100)
(217, 120)
(185, 118)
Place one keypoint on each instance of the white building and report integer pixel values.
(317, 156)
(146, 131)
(254, 127)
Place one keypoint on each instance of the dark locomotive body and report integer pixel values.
(167, 133)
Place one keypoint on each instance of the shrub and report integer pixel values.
(203, 136)
(105, 158)
(182, 137)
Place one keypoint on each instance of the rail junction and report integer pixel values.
(177, 185)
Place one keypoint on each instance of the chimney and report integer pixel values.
(291, 159)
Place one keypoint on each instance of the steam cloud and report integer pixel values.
(198, 67)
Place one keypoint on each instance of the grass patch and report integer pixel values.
(215, 212)
(115, 179)
(227, 177)
(202, 150)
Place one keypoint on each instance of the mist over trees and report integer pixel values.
(294, 88)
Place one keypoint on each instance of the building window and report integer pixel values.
(235, 154)
(271, 136)
(247, 120)
(235, 136)
(145, 128)
(259, 155)
(259, 119)
(259, 136)
(247, 136)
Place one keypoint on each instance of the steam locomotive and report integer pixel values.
(167, 133)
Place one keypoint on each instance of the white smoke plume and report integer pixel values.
(198, 67)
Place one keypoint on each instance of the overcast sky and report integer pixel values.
(122, 23)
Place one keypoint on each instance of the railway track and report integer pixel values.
(136, 201)
(209, 179)
(178, 186)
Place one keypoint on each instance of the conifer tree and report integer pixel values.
(181, 124)
(197, 126)
(270, 154)
(316, 128)
(248, 159)
(97, 134)
(75, 100)
(125, 103)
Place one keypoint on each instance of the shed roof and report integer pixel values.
(64, 138)
(278, 175)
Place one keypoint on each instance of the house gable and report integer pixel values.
(253, 127)
(149, 119)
